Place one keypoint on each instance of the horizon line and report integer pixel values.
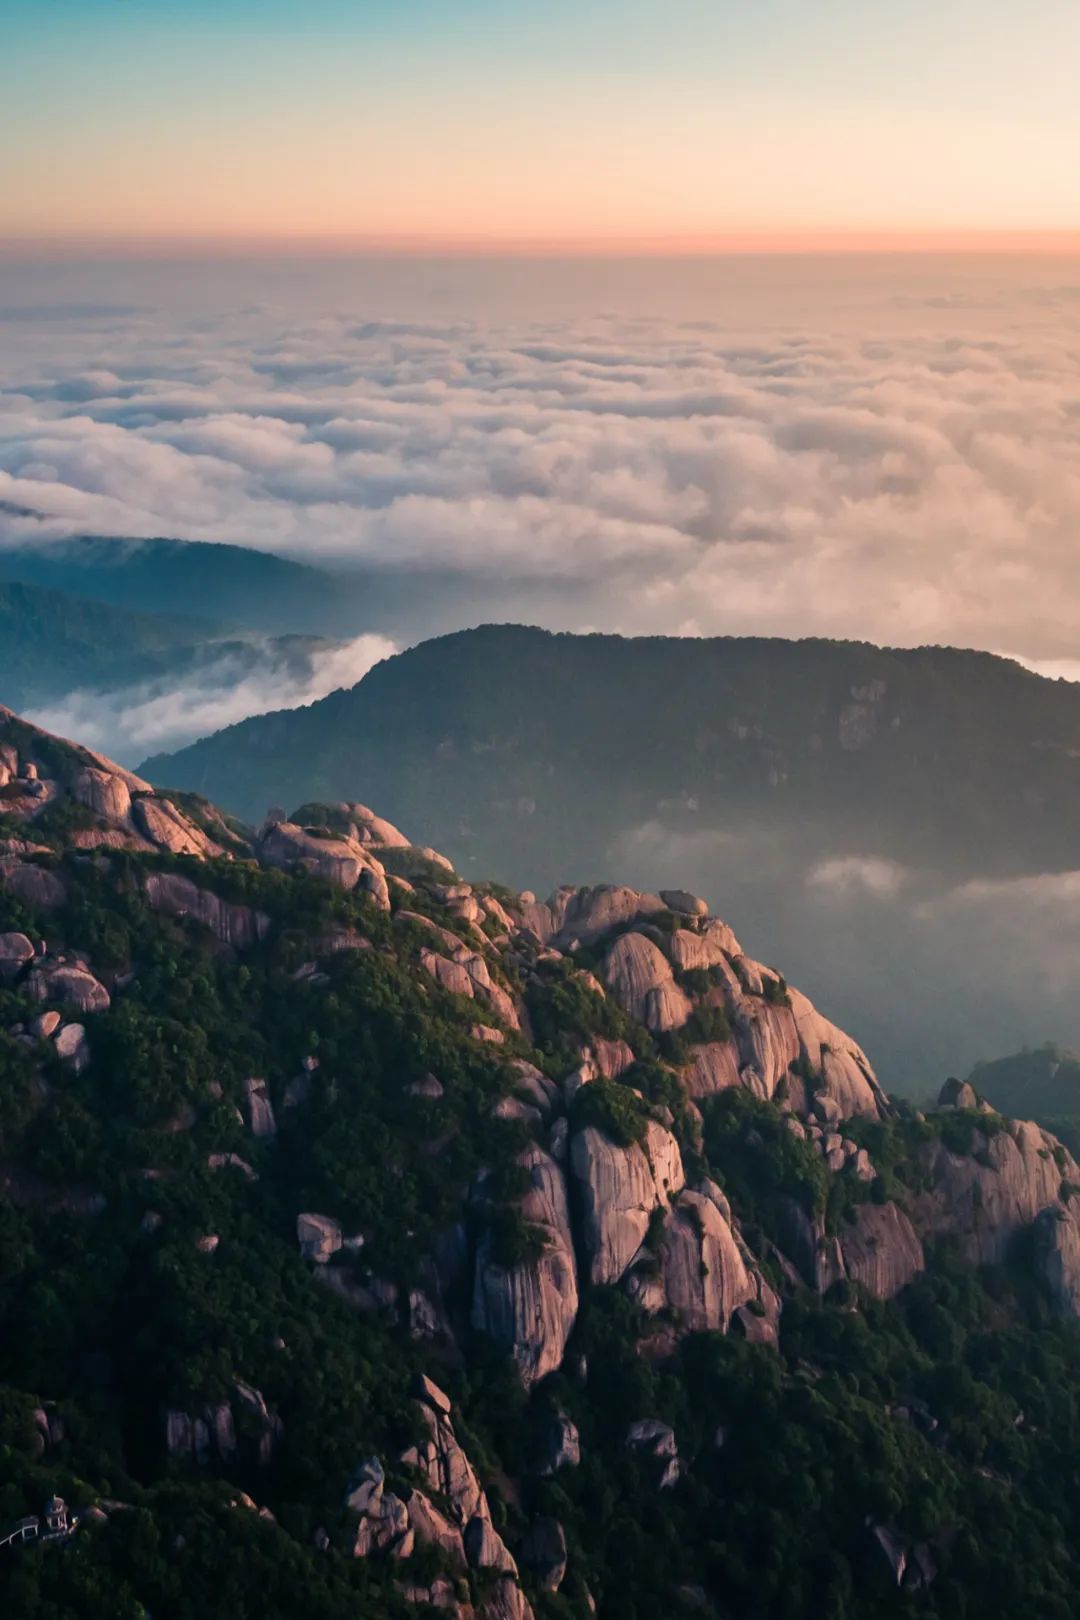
(792, 242)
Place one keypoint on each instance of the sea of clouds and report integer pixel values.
(882, 452)
(879, 456)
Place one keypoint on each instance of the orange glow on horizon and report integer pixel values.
(716, 244)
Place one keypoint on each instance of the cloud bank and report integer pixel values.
(169, 711)
(888, 464)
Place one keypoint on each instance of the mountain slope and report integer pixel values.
(51, 641)
(396, 1245)
(954, 759)
(248, 588)
(898, 799)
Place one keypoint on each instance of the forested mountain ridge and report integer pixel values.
(375, 1242)
(520, 745)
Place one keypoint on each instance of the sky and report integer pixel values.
(655, 124)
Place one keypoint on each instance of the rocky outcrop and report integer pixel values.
(209, 1433)
(1057, 1257)
(586, 915)
(657, 1440)
(260, 1110)
(880, 1249)
(167, 828)
(15, 951)
(460, 1526)
(619, 1187)
(642, 981)
(34, 885)
(529, 1308)
(236, 925)
(343, 861)
(706, 947)
(700, 1268)
(104, 792)
(319, 1237)
(68, 983)
(983, 1199)
(467, 974)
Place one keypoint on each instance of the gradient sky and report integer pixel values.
(575, 120)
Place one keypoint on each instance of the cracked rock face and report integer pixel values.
(703, 1272)
(178, 896)
(530, 1308)
(983, 1201)
(643, 982)
(619, 1189)
(343, 861)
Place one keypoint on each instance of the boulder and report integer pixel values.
(881, 1249)
(588, 914)
(44, 1025)
(168, 828)
(260, 1110)
(544, 1553)
(682, 901)
(34, 885)
(529, 1309)
(562, 1444)
(641, 978)
(69, 984)
(71, 1045)
(612, 1058)
(958, 1094)
(319, 1237)
(619, 1188)
(658, 1440)
(15, 951)
(106, 794)
(175, 894)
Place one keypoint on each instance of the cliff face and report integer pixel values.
(476, 1115)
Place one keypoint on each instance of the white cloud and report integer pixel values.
(167, 712)
(883, 461)
(854, 874)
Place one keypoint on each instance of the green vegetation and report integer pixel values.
(951, 1414)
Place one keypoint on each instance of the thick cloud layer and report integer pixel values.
(878, 457)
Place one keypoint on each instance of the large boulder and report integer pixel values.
(641, 978)
(700, 1268)
(175, 894)
(619, 1187)
(169, 829)
(343, 861)
(34, 885)
(104, 792)
(983, 1199)
(586, 915)
(529, 1308)
(68, 983)
(881, 1249)
(15, 951)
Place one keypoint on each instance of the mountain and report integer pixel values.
(403, 1246)
(129, 676)
(243, 587)
(889, 795)
(51, 642)
(1041, 1082)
